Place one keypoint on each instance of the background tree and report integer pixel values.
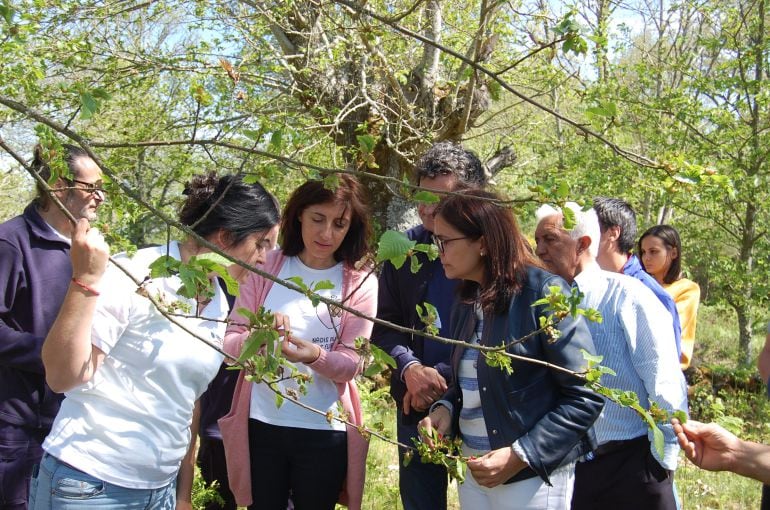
(663, 104)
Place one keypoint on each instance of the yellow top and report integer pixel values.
(686, 294)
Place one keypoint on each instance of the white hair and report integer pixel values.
(586, 223)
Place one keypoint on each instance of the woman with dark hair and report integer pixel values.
(131, 376)
(274, 453)
(660, 251)
(522, 429)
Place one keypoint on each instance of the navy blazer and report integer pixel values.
(548, 411)
(399, 292)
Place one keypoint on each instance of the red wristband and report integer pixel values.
(85, 287)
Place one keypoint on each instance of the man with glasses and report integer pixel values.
(35, 272)
(423, 371)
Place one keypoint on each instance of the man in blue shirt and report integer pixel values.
(423, 371)
(636, 340)
(617, 222)
(35, 272)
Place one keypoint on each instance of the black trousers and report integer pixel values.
(211, 460)
(628, 477)
(308, 465)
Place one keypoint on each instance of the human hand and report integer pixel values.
(495, 467)
(439, 420)
(424, 385)
(297, 350)
(183, 505)
(708, 446)
(89, 253)
(409, 402)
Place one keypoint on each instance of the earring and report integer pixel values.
(481, 253)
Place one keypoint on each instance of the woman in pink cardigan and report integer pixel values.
(274, 453)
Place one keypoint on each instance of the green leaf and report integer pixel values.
(394, 246)
(7, 12)
(563, 190)
(214, 258)
(382, 357)
(426, 197)
(323, 285)
(252, 134)
(366, 142)
(569, 220)
(603, 110)
(414, 264)
(658, 440)
(299, 282)
(254, 342)
(687, 179)
(164, 266)
(494, 88)
(593, 359)
(276, 139)
(88, 104)
(332, 182)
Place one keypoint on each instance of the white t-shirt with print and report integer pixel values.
(130, 424)
(311, 323)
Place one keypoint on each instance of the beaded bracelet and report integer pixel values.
(85, 287)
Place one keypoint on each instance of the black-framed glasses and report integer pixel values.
(89, 187)
(441, 243)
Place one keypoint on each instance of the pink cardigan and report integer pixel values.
(340, 365)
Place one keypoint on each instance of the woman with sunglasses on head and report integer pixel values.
(522, 429)
(131, 376)
(660, 252)
(275, 453)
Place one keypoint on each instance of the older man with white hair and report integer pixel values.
(636, 339)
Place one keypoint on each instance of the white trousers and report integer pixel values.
(530, 494)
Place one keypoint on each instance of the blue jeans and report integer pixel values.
(422, 486)
(57, 485)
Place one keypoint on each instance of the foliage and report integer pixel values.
(202, 493)
(195, 274)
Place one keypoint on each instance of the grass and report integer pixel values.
(381, 490)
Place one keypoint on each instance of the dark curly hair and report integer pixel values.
(445, 158)
(227, 203)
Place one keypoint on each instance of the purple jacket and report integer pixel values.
(35, 271)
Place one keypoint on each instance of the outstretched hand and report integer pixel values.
(708, 446)
(89, 253)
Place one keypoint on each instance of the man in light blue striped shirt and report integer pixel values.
(637, 341)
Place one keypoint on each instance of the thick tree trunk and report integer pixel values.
(389, 210)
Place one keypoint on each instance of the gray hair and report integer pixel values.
(586, 223)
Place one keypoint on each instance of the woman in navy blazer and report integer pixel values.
(523, 430)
